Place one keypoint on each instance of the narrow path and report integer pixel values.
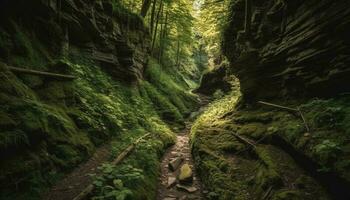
(79, 178)
(170, 187)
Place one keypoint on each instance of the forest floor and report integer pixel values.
(76, 181)
(179, 155)
(170, 187)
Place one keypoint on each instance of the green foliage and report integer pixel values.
(218, 94)
(13, 139)
(166, 109)
(27, 50)
(115, 181)
(326, 152)
(211, 19)
(168, 93)
(59, 124)
(172, 83)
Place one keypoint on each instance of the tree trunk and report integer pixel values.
(145, 7)
(162, 38)
(152, 15)
(155, 29)
(248, 17)
(178, 53)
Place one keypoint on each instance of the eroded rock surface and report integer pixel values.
(183, 182)
(294, 48)
(76, 28)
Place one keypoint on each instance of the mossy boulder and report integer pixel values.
(186, 174)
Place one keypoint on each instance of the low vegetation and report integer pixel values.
(230, 166)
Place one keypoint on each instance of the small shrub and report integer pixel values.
(326, 151)
(116, 183)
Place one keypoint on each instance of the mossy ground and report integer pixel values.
(232, 169)
(49, 126)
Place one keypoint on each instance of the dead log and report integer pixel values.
(278, 106)
(304, 120)
(40, 73)
(245, 140)
(290, 109)
(116, 161)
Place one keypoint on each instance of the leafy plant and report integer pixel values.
(218, 94)
(13, 138)
(326, 151)
(117, 182)
(330, 117)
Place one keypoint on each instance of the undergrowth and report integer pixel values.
(226, 163)
(58, 125)
(49, 126)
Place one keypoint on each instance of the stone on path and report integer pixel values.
(183, 198)
(189, 189)
(171, 182)
(186, 174)
(170, 198)
(175, 163)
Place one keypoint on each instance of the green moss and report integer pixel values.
(27, 49)
(51, 124)
(165, 109)
(227, 163)
(290, 195)
(165, 81)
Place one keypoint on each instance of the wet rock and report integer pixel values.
(170, 198)
(277, 49)
(214, 80)
(175, 163)
(183, 197)
(189, 189)
(186, 174)
(171, 182)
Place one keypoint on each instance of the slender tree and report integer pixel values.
(145, 7)
(248, 17)
(178, 53)
(153, 15)
(156, 25)
(163, 37)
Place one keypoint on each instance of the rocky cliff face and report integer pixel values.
(293, 48)
(214, 80)
(115, 39)
(50, 125)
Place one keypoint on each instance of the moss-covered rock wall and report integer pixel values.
(50, 125)
(290, 48)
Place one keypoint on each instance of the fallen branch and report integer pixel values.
(267, 193)
(239, 137)
(278, 106)
(116, 161)
(245, 140)
(304, 120)
(290, 109)
(40, 73)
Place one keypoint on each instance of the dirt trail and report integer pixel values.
(79, 178)
(180, 150)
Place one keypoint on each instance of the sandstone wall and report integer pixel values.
(112, 36)
(295, 48)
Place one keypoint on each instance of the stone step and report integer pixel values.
(175, 163)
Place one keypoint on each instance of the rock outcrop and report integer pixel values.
(291, 49)
(116, 39)
(49, 125)
(214, 80)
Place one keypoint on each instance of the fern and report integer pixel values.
(13, 139)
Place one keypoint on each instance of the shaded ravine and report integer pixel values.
(76, 181)
(172, 191)
(181, 149)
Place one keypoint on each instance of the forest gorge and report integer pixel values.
(174, 99)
